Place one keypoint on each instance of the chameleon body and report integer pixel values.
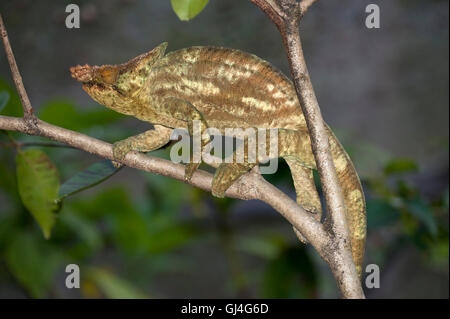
(223, 88)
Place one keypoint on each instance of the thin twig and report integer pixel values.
(272, 10)
(305, 4)
(31, 144)
(45, 144)
(27, 108)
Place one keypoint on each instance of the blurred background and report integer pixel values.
(383, 91)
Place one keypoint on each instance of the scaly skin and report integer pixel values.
(223, 88)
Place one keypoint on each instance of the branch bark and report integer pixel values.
(286, 15)
(305, 4)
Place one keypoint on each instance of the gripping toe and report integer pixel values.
(189, 170)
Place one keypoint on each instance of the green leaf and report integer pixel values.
(14, 106)
(8, 182)
(267, 247)
(439, 252)
(109, 202)
(188, 9)
(93, 175)
(166, 194)
(85, 230)
(112, 286)
(38, 184)
(32, 263)
(4, 98)
(445, 200)
(291, 275)
(380, 214)
(130, 230)
(399, 166)
(422, 211)
(169, 237)
(64, 113)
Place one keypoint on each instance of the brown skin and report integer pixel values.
(223, 88)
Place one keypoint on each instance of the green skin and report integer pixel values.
(222, 88)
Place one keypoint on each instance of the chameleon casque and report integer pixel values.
(223, 88)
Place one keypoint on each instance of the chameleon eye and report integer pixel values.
(108, 74)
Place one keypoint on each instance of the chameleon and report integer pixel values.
(222, 88)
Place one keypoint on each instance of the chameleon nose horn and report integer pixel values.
(82, 73)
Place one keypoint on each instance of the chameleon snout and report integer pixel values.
(82, 73)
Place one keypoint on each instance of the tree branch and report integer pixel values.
(305, 4)
(27, 108)
(249, 186)
(286, 14)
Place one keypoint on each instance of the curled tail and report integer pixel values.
(353, 198)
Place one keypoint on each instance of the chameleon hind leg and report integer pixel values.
(295, 147)
(145, 142)
(305, 187)
(186, 111)
(297, 144)
(306, 191)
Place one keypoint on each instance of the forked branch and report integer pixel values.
(286, 15)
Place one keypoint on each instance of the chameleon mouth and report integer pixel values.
(82, 73)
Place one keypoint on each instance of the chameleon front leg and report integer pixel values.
(184, 110)
(226, 174)
(145, 142)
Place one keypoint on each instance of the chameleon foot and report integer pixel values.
(300, 236)
(120, 150)
(116, 164)
(218, 190)
(189, 170)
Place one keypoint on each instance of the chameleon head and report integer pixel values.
(114, 85)
(99, 82)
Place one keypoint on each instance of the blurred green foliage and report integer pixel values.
(123, 241)
(4, 98)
